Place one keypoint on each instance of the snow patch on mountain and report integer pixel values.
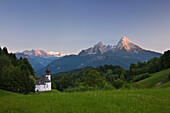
(123, 44)
(42, 53)
(53, 53)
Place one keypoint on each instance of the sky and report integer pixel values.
(68, 26)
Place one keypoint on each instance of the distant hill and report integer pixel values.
(39, 58)
(123, 54)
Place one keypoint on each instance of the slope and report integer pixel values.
(7, 93)
(156, 79)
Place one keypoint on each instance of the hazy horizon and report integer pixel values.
(80, 48)
(72, 25)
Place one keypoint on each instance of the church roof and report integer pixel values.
(42, 80)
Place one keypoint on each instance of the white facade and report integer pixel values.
(43, 84)
(45, 87)
(49, 77)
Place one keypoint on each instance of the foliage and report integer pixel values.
(118, 83)
(141, 77)
(151, 66)
(93, 78)
(114, 76)
(99, 78)
(155, 78)
(165, 60)
(15, 74)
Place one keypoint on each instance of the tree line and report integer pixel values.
(109, 76)
(16, 75)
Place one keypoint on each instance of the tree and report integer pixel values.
(5, 50)
(94, 79)
(118, 83)
(53, 86)
(13, 59)
(140, 65)
(108, 75)
(154, 65)
(28, 66)
(132, 66)
(140, 77)
(4, 61)
(165, 60)
(15, 74)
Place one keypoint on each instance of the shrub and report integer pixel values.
(108, 87)
(118, 83)
(126, 86)
(140, 77)
(137, 86)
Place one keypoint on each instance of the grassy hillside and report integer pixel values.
(5, 94)
(159, 77)
(165, 85)
(117, 101)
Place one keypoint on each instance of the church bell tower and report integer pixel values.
(48, 73)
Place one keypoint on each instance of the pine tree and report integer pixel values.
(5, 50)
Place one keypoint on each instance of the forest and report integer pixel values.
(16, 75)
(108, 76)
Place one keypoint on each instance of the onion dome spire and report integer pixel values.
(48, 70)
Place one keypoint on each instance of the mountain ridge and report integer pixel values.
(41, 53)
(124, 44)
(39, 58)
(123, 54)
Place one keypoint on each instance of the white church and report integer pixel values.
(44, 83)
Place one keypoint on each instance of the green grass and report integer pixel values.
(155, 78)
(116, 101)
(165, 85)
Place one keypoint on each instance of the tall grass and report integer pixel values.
(116, 101)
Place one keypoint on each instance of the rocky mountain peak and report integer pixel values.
(61, 54)
(96, 49)
(99, 45)
(123, 44)
(127, 45)
(125, 40)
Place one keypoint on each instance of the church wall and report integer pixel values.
(46, 87)
(49, 85)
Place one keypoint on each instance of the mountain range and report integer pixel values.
(39, 58)
(122, 54)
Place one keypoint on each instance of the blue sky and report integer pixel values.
(68, 26)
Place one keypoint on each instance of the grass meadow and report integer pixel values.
(116, 101)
